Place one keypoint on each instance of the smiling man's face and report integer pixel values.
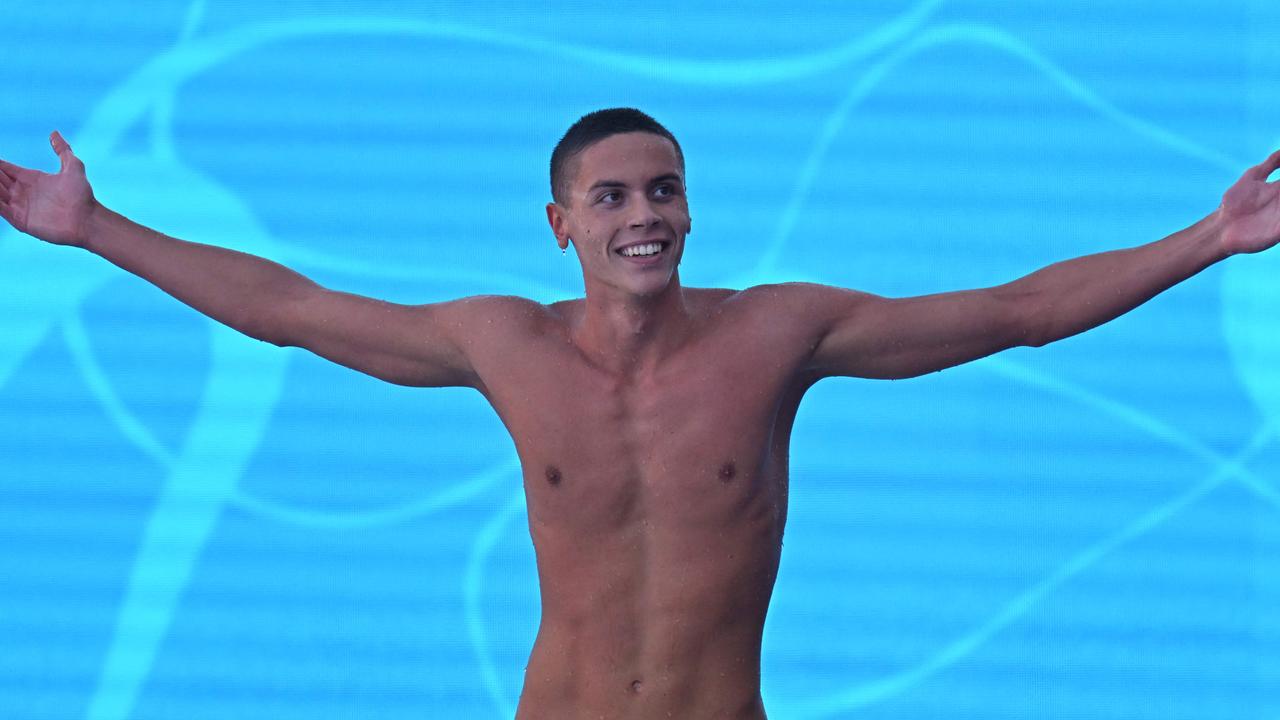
(626, 201)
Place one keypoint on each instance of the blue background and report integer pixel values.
(197, 525)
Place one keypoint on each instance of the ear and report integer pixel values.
(559, 224)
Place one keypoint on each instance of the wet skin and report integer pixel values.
(652, 422)
(657, 499)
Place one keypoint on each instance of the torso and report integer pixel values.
(656, 503)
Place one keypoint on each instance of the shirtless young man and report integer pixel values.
(652, 420)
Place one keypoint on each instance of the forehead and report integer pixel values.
(635, 156)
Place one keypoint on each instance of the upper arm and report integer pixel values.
(862, 335)
(419, 345)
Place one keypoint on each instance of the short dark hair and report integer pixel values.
(591, 129)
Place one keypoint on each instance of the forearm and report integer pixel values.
(242, 291)
(1073, 296)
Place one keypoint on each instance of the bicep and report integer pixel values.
(891, 338)
(416, 345)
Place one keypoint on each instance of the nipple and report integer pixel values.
(553, 474)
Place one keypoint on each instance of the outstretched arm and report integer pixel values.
(869, 336)
(409, 345)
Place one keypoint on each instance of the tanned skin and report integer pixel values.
(652, 420)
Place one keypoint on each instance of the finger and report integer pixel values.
(5, 180)
(10, 170)
(62, 148)
(1263, 170)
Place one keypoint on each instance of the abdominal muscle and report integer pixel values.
(650, 620)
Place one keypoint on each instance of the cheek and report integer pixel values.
(595, 234)
(680, 220)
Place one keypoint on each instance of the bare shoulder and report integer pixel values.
(709, 300)
(800, 304)
(510, 308)
(491, 332)
(806, 294)
(509, 316)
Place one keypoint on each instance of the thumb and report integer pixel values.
(62, 148)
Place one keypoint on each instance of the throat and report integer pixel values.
(620, 330)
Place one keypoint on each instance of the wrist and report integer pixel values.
(93, 226)
(1211, 237)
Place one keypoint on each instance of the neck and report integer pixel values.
(626, 332)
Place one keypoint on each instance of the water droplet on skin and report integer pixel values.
(727, 471)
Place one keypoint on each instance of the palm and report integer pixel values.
(1250, 210)
(52, 207)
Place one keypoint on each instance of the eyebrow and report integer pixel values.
(618, 183)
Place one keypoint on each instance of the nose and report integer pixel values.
(643, 216)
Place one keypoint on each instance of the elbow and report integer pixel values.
(1031, 333)
(1040, 330)
(284, 321)
(270, 327)
(1036, 342)
(1026, 321)
(278, 342)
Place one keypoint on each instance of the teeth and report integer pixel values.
(641, 250)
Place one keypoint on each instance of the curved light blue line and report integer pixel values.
(1263, 491)
(1151, 426)
(191, 21)
(133, 429)
(42, 284)
(1234, 470)
(162, 146)
(1089, 98)
(121, 109)
(473, 584)
(980, 35)
(454, 495)
(161, 136)
(320, 260)
(221, 441)
(962, 647)
(222, 438)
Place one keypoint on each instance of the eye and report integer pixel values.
(665, 190)
(612, 196)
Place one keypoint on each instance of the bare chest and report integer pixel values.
(693, 445)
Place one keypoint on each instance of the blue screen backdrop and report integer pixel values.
(197, 525)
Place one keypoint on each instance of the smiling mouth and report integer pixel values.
(644, 250)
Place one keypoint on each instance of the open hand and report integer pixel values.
(55, 208)
(1250, 210)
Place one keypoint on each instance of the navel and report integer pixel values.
(728, 471)
(635, 686)
(553, 474)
